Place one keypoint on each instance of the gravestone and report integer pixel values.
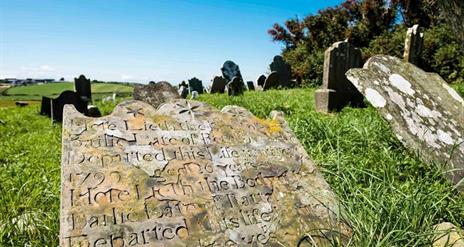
(218, 85)
(190, 175)
(235, 87)
(195, 85)
(194, 95)
(284, 70)
(272, 81)
(93, 111)
(83, 88)
(231, 70)
(156, 94)
(261, 80)
(183, 90)
(46, 106)
(67, 97)
(425, 113)
(337, 91)
(413, 45)
(251, 85)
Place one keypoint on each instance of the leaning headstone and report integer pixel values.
(426, 114)
(218, 85)
(156, 94)
(272, 81)
(93, 111)
(251, 85)
(67, 97)
(337, 91)
(183, 92)
(190, 175)
(231, 70)
(413, 45)
(83, 88)
(196, 85)
(284, 70)
(46, 106)
(235, 87)
(261, 80)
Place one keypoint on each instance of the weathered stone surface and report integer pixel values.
(83, 88)
(190, 175)
(231, 70)
(218, 85)
(448, 235)
(337, 91)
(235, 87)
(155, 94)
(284, 70)
(272, 81)
(261, 80)
(413, 45)
(196, 84)
(426, 114)
(250, 85)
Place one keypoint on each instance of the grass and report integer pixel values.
(390, 196)
(35, 92)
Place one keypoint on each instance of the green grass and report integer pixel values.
(390, 197)
(35, 92)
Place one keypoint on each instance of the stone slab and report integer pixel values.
(190, 175)
(426, 114)
(156, 94)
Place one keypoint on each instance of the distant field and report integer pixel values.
(35, 92)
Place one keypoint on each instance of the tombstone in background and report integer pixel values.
(196, 85)
(194, 95)
(284, 70)
(46, 106)
(183, 92)
(413, 45)
(337, 91)
(218, 85)
(83, 88)
(156, 94)
(67, 97)
(93, 111)
(235, 87)
(272, 81)
(425, 113)
(21, 103)
(251, 86)
(231, 70)
(188, 174)
(261, 80)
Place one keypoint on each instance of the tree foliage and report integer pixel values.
(377, 27)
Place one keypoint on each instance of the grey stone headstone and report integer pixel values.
(250, 85)
(337, 91)
(83, 88)
(231, 70)
(425, 113)
(194, 95)
(272, 81)
(218, 85)
(156, 94)
(413, 44)
(188, 174)
(261, 80)
(235, 87)
(183, 91)
(196, 85)
(284, 70)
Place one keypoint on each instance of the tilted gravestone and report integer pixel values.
(272, 81)
(261, 80)
(250, 85)
(337, 91)
(218, 85)
(413, 45)
(425, 113)
(196, 85)
(183, 90)
(190, 175)
(235, 87)
(231, 70)
(156, 94)
(46, 106)
(284, 70)
(67, 97)
(83, 88)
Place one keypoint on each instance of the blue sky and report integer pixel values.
(140, 41)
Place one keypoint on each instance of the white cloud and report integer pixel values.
(46, 68)
(126, 77)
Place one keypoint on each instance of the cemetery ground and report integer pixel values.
(389, 195)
